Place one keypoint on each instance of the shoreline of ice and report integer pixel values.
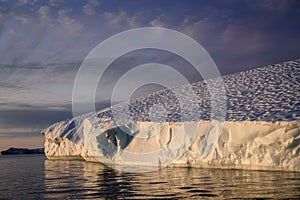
(241, 145)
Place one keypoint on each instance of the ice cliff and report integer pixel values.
(261, 130)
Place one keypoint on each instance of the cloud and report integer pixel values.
(23, 18)
(39, 86)
(158, 22)
(23, 2)
(203, 30)
(30, 120)
(230, 36)
(29, 107)
(13, 87)
(56, 3)
(45, 36)
(89, 8)
(235, 44)
(7, 131)
(44, 12)
(122, 20)
(66, 21)
(274, 5)
(20, 35)
(243, 40)
(117, 19)
(26, 2)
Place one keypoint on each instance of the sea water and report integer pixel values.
(35, 177)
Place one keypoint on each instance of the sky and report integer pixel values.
(43, 43)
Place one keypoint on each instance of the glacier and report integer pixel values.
(261, 130)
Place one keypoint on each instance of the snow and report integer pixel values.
(261, 131)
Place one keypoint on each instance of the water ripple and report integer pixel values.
(38, 178)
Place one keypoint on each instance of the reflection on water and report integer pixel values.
(22, 177)
(33, 177)
(76, 179)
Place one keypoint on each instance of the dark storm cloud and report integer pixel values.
(31, 118)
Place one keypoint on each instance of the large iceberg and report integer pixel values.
(261, 130)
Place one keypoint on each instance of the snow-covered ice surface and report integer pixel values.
(261, 129)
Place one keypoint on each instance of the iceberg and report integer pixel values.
(242, 145)
(261, 130)
(17, 151)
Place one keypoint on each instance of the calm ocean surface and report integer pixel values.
(34, 177)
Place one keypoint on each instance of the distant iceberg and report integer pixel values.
(261, 130)
(17, 151)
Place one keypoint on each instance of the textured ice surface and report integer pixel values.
(261, 130)
(264, 94)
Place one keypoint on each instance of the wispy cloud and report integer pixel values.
(12, 131)
(117, 20)
(39, 86)
(68, 22)
(274, 5)
(90, 7)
